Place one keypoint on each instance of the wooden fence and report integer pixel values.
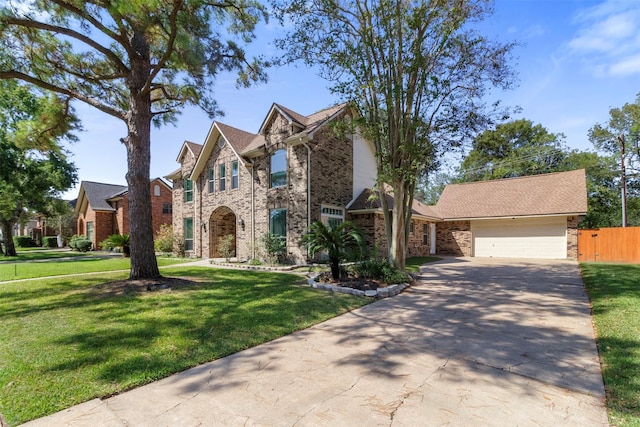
(609, 244)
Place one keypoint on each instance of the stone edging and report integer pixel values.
(379, 293)
(256, 267)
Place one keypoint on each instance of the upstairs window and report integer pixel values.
(188, 190)
(167, 208)
(223, 177)
(212, 179)
(234, 174)
(279, 168)
(156, 190)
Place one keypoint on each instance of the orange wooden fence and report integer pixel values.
(609, 244)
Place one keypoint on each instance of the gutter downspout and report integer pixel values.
(253, 214)
(308, 188)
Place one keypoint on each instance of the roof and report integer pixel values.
(560, 193)
(98, 193)
(369, 200)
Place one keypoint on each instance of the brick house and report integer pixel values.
(297, 170)
(103, 209)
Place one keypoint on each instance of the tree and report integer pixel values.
(415, 73)
(515, 148)
(621, 138)
(520, 148)
(139, 61)
(340, 242)
(34, 170)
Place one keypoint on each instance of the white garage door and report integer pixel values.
(520, 238)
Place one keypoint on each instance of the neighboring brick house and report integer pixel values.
(103, 209)
(296, 170)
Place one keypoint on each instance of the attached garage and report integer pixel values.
(520, 238)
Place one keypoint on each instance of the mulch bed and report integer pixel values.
(351, 282)
(120, 287)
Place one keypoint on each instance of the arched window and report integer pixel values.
(279, 168)
(156, 190)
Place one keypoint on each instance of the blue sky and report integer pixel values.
(576, 59)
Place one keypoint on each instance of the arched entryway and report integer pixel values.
(222, 236)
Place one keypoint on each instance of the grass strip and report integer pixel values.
(86, 264)
(614, 290)
(66, 341)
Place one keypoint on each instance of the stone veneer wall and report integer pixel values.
(182, 209)
(572, 236)
(454, 238)
(372, 226)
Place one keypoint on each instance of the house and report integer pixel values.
(293, 171)
(296, 169)
(103, 209)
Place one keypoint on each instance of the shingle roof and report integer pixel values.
(238, 138)
(98, 193)
(194, 147)
(370, 200)
(547, 194)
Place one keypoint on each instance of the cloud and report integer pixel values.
(535, 31)
(607, 38)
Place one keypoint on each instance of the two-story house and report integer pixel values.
(294, 171)
(239, 186)
(103, 209)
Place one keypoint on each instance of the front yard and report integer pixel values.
(614, 290)
(67, 340)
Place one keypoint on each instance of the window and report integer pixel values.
(156, 190)
(90, 230)
(425, 234)
(167, 208)
(331, 215)
(279, 168)
(412, 227)
(234, 174)
(223, 177)
(212, 179)
(188, 234)
(188, 190)
(278, 222)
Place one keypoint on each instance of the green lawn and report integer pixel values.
(65, 341)
(413, 264)
(614, 290)
(24, 254)
(85, 264)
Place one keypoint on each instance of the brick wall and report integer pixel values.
(572, 236)
(453, 238)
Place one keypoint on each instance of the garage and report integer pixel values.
(520, 238)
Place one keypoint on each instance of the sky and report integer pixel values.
(575, 60)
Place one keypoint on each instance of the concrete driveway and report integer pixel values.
(475, 342)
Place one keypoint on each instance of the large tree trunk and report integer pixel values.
(138, 142)
(398, 250)
(7, 235)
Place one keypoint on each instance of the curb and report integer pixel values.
(389, 291)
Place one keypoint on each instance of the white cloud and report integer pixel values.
(627, 66)
(607, 39)
(535, 31)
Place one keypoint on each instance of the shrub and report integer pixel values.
(379, 270)
(166, 240)
(120, 241)
(50, 242)
(227, 246)
(276, 247)
(23, 242)
(80, 243)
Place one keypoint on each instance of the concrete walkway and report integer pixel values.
(475, 342)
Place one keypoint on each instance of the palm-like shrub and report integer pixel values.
(120, 241)
(340, 242)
